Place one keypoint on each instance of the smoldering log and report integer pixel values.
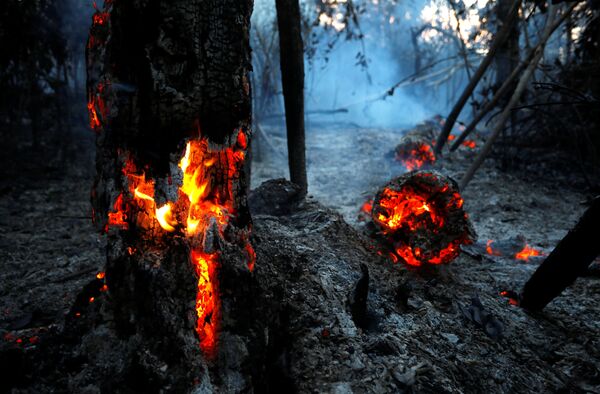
(420, 218)
(568, 261)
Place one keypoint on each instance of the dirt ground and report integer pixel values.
(50, 250)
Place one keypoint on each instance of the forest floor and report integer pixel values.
(50, 250)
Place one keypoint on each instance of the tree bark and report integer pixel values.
(507, 56)
(291, 53)
(169, 98)
(568, 261)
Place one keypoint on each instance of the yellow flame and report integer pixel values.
(164, 217)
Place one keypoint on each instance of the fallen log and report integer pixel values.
(420, 218)
(568, 261)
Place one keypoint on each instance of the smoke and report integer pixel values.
(339, 83)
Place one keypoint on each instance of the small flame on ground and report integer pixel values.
(527, 252)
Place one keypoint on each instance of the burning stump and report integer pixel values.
(414, 152)
(421, 218)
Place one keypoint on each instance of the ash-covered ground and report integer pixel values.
(445, 330)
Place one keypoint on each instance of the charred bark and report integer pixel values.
(291, 53)
(568, 261)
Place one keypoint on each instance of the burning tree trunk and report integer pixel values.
(169, 99)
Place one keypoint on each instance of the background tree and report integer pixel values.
(292, 76)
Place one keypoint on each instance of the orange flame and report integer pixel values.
(528, 252)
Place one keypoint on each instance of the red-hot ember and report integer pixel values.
(365, 210)
(490, 250)
(513, 298)
(207, 300)
(527, 252)
(420, 215)
(469, 144)
(119, 216)
(414, 154)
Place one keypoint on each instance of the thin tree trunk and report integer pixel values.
(501, 36)
(291, 53)
(568, 261)
(507, 57)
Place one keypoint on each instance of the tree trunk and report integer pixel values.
(507, 57)
(568, 261)
(291, 53)
(169, 99)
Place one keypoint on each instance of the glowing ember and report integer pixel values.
(489, 250)
(527, 252)
(251, 256)
(513, 298)
(118, 217)
(420, 216)
(415, 154)
(469, 144)
(207, 302)
(94, 120)
(365, 210)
